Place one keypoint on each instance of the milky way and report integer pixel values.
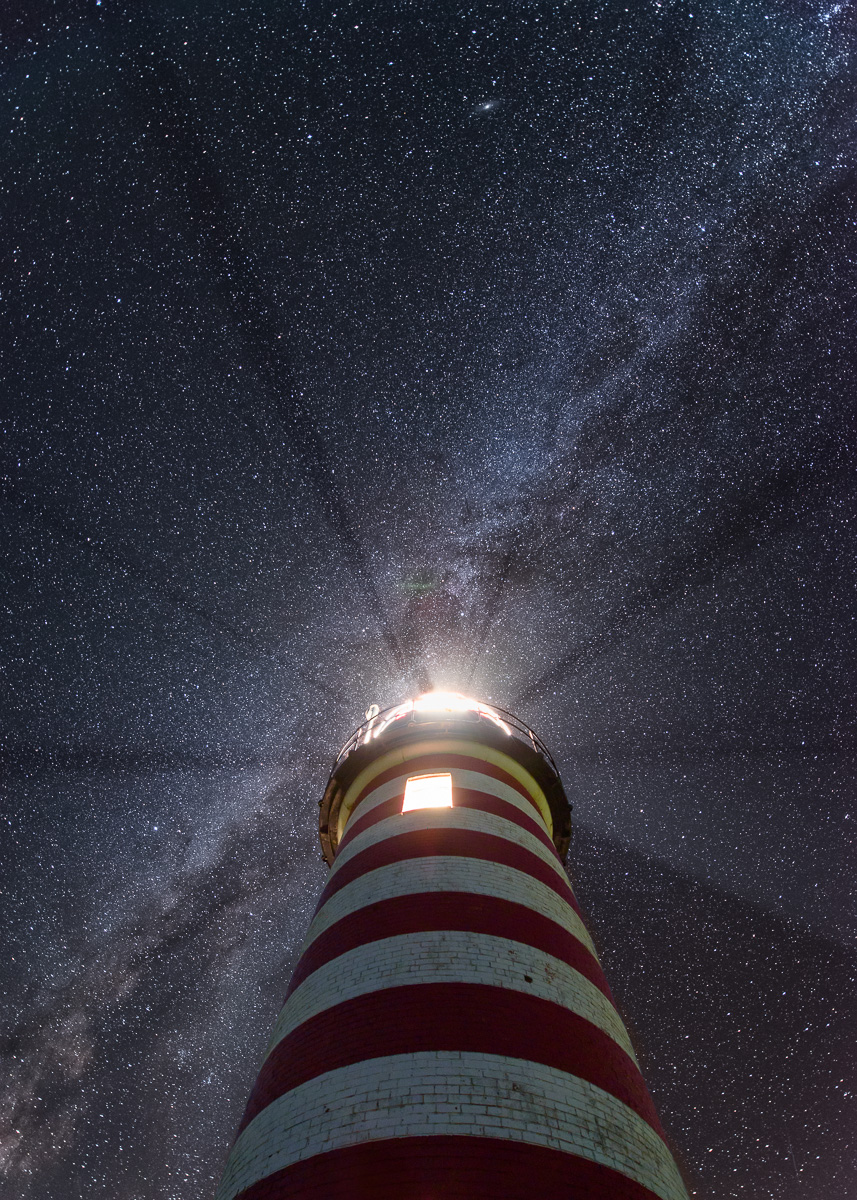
(352, 349)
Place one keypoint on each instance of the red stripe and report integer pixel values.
(455, 1168)
(461, 798)
(443, 762)
(456, 843)
(470, 1017)
(425, 911)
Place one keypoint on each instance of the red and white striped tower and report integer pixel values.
(448, 1031)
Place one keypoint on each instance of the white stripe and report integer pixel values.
(448, 873)
(393, 787)
(449, 956)
(476, 1095)
(474, 780)
(471, 820)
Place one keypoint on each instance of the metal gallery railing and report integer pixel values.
(422, 712)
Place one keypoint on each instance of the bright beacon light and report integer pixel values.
(431, 706)
(428, 791)
(454, 702)
(444, 702)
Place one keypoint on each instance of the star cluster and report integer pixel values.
(351, 349)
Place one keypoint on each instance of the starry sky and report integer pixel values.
(350, 349)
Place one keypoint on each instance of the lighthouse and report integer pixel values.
(448, 1032)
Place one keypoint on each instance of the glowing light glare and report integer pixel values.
(436, 702)
(453, 702)
(485, 711)
(427, 791)
(444, 702)
(395, 714)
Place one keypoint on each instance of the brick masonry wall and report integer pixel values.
(445, 874)
(447, 1165)
(453, 758)
(448, 999)
(479, 1095)
(449, 819)
(449, 956)
(463, 779)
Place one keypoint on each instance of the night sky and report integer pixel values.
(354, 348)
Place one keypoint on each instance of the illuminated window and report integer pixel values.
(428, 791)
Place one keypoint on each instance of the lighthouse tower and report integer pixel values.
(448, 1033)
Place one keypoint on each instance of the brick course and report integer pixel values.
(457, 1168)
(462, 779)
(456, 1017)
(489, 1096)
(465, 798)
(451, 911)
(441, 873)
(462, 819)
(434, 840)
(447, 760)
(449, 956)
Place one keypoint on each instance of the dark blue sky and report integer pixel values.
(352, 348)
